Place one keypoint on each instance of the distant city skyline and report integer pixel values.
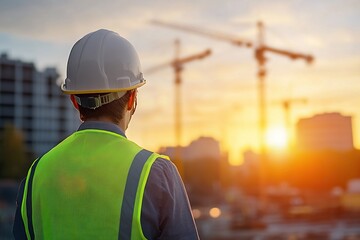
(220, 93)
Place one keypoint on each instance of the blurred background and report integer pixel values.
(256, 102)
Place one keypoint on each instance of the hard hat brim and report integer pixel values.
(90, 91)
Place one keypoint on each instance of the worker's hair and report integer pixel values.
(113, 110)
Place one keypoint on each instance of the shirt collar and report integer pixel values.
(106, 126)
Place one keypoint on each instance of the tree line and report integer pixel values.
(15, 157)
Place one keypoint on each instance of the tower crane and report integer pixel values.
(259, 53)
(178, 65)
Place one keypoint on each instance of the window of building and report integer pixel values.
(27, 87)
(50, 82)
(7, 71)
(28, 71)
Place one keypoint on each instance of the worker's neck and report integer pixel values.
(121, 124)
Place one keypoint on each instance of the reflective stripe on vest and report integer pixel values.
(90, 186)
(26, 209)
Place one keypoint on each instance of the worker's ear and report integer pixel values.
(74, 102)
(131, 101)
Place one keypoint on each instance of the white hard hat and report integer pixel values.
(102, 62)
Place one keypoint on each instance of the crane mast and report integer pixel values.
(178, 65)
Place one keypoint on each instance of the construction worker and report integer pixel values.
(97, 184)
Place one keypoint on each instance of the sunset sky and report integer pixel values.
(220, 97)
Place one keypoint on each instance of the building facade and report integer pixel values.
(32, 101)
(327, 131)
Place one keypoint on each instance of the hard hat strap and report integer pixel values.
(97, 101)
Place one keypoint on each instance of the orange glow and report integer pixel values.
(277, 137)
(215, 212)
(196, 213)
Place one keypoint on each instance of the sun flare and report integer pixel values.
(277, 137)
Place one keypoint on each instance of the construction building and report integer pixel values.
(32, 101)
(327, 131)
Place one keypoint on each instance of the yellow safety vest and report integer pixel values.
(90, 186)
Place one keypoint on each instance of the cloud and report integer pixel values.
(67, 20)
(55, 21)
(271, 12)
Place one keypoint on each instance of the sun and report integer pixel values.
(277, 137)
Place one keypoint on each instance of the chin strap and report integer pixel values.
(97, 101)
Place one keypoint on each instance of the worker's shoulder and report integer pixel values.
(163, 176)
(163, 165)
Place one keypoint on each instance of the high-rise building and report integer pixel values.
(32, 101)
(327, 131)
